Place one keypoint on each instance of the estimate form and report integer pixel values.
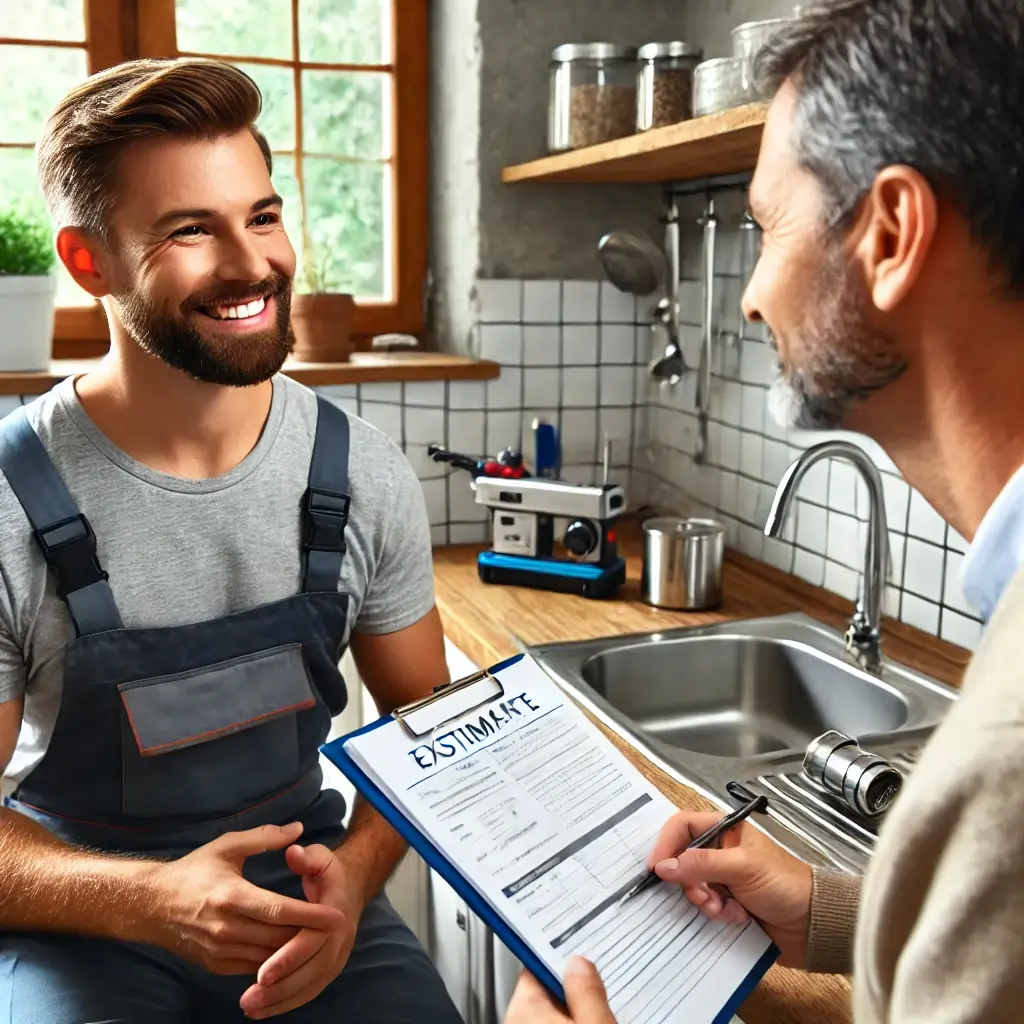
(552, 825)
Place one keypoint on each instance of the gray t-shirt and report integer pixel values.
(181, 551)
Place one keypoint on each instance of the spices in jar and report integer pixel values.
(665, 84)
(592, 94)
(599, 113)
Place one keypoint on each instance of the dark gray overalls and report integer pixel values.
(169, 737)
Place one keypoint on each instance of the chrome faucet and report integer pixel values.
(863, 641)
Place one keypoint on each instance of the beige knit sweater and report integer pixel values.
(940, 929)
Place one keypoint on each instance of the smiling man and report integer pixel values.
(189, 541)
(889, 187)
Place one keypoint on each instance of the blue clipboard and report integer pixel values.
(336, 753)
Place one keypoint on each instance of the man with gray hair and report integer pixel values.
(890, 193)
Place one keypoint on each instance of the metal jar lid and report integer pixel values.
(653, 51)
(592, 51)
(679, 527)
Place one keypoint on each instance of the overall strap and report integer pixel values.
(61, 531)
(325, 510)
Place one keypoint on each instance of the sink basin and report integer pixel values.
(738, 696)
(741, 701)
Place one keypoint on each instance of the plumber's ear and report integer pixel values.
(82, 256)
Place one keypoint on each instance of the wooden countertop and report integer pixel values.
(478, 617)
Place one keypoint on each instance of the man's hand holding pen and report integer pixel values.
(763, 881)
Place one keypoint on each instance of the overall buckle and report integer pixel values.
(70, 547)
(327, 517)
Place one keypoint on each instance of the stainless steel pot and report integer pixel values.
(682, 566)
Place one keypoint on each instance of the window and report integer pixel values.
(344, 84)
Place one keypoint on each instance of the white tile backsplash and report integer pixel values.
(923, 571)
(842, 580)
(542, 388)
(466, 432)
(426, 392)
(750, 455)
(616, 307)
(579, 345)
(542, 302)
(436, 494)
(423, 425)
(500, 301)
(502, 430)
(462, 506)
(467, 394)
(579, 386)
(579, 302)
(921, 614)
(959, 629)
(468, 533)
(542, 345)
(506, 391)
(387, 393)
(384, 417)
(753, 408)
(812, 526)
(502, 343)
(925, 522)
(618, 344)
(616, 385)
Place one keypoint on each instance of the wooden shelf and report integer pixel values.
(704, 147)
(364, 368)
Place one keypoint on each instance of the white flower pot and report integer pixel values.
(27, 307)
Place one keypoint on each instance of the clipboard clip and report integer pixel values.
(443, 693)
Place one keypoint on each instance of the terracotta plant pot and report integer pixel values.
(322, 325)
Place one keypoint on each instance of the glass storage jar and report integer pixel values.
(664, 88)
(592, 94)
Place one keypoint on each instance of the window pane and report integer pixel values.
(345, 208)
(246, 28)
(21, 186)
(288, 189)
(346, 113)
(42, 19)
(18, 178)
(277, 118)
(345, 31)
(38, 76)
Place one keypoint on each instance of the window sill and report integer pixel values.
(364, 368)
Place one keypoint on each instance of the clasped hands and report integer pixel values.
(206, 912)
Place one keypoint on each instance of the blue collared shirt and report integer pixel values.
(998, 549)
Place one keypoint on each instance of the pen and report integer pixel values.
(753, 805)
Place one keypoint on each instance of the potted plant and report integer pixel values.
(27, 290)
(321, 318)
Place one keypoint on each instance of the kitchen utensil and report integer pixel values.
(592, 94)
(664, 90)
(710, 224)
(721, 83)
(749, 37)
(682, 563)
(633, 263)
(866, 782)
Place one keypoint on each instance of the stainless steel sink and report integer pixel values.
(741, 701)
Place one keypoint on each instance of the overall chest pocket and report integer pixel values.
(213, 740)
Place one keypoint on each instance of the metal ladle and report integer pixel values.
(635, 265)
